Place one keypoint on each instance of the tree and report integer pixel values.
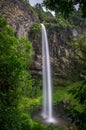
(65, 7)
(77, 109)
(43, 15)
(15, 59)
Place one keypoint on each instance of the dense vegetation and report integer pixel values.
(65, 7)
(78, 89)
(15, 78)
(18, 91)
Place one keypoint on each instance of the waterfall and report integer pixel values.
(47, 112)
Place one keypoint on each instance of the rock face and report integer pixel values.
(20, 16)
(60, 49)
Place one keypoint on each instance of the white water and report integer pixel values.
(47, 112)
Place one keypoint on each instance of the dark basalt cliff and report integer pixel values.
(21, 17)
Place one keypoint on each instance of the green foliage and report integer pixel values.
(39, 10)
(58, 22)
(28, 104)
(9, 118)
(62, 6)
(60, 94)
(62, 22)
(78, 57)
(33, 125)
(80, 50)
(76, 20)
(36, 29)
(37, 86)
(65, 7)
(44, 16)
(15, 59)
(77, 109)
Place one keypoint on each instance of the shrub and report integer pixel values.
(15, 59)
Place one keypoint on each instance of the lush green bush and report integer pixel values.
(60, 94)
(78, 58)
(15, 80)
(77, 109)
(36, 29)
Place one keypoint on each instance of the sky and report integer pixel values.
(33, 2)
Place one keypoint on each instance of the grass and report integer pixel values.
(61, 93)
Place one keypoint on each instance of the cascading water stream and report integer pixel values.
(47, 112)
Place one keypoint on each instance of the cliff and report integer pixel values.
(19, 15)
(60, 49)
